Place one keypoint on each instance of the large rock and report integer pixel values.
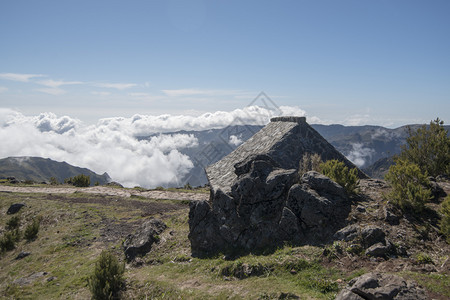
(140, 243)
(383, 287)
(14, 208)
(257, 200)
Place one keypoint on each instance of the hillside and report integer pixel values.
(76, 227)
(39, 169)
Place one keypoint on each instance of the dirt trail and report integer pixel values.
(108, 191)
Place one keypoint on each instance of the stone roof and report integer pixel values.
(285, 140)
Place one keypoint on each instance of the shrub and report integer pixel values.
(32, 230)
(187, 186)
(13, 223)
(409, 186)
(54, 181)
(429, 148)
(423, 258)
(309, 162)
(339, 172)
(8, 240)
(445, 221)
(81, 180)
(107, 280)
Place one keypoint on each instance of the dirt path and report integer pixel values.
(108, 191)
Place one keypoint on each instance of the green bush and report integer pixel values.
(107, 280)
(445, 221)
(429, 148)
(409, 186)
(339, 172)
(309, 162)
(32, 230)
(13, 223)
(423, 258)
(8, 240)
(54, 181)
(81, 180)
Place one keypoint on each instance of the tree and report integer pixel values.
(81, 180)
(339, 172)
(429, 148)
(107, 280)
(409, 185)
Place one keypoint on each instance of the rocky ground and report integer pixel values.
(79, 222)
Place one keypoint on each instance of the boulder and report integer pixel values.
(15, 208)
(378, 250)
(372, 235)
(257, 201)
(389, 215)
(140, 243)
(381, 286)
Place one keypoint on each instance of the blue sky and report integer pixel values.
(350, 62)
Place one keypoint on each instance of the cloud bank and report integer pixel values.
(359, 154)
(113, 146)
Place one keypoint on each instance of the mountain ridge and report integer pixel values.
(40, 169)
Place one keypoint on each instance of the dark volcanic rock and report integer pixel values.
(381, 286)
(14, 208)
(22, 255)
(140, 243)
(257, 200)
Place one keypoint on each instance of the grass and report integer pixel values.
(75, 228)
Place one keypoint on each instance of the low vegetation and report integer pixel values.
(426, 152)
(340, 173)
(429, 148)
(445, 220)
(31, 231)
(309, 162)
(409, 186)
(107, 280)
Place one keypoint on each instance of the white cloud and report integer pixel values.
(3, 89)
(357, 120)
(118, 86)
(52, 91)
(142, 125)
(57, 83)
(19, 77)
(200, 92)
(112, 145)
(360, 154)
(234, 140)
(149, 163)
(102, 94)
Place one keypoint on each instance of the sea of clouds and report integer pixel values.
(112, 145)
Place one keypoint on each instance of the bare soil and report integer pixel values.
(111, 191)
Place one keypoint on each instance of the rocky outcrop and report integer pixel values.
(381, 286)
(257, 200)
(140, 243)
(266, 208)
(371, 238)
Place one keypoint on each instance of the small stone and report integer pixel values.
(22, 255)
(361, 208)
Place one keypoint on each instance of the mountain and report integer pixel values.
(379, 168)
(362, 145)
(40, 169)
